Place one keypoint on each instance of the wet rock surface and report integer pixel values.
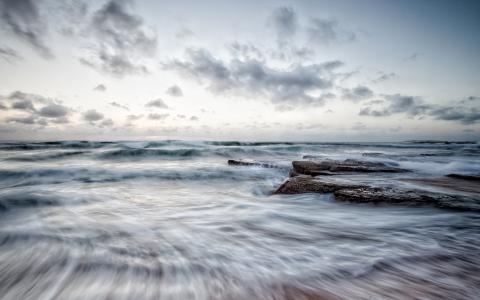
(346, 191)
(327, 167)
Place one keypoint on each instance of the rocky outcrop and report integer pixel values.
(233, 162)
(327, 167)
(346, 191)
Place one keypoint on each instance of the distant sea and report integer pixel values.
(172, 220)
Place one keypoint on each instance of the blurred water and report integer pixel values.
(171, 220)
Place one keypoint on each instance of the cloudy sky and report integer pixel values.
(240, 70)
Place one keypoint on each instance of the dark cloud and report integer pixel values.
(116, 104)
(410, 105)
(19, 95)
(53, 111)
(327, 32)
(414, 107)
(397, 104)
(100, 88)
(295, 85)
(92, 116)
(22, 19)
(26, 105)
(30, 120)
(158, 103)
(154, 116)
(285, 23)
(367, 111)
(120, 40)
(9, 54)
(357, 93)
(194, 118)
(175, 91)
(50, 111)
(464, 115)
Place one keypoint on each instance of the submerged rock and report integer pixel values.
(346, 191)
(233, 162)
(327, 167)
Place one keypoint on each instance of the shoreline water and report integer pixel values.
(172, 220)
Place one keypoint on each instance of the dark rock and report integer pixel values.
(307, 184)
(233, 162)
(465, 177)
(349, 165)
(345, 191)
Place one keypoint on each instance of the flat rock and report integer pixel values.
(348, 165)
(306, 184)
(345, 191)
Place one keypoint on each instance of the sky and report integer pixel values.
(307, 70)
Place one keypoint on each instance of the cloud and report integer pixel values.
(158, 103)
(412, 57)
(327, 32)
(22, 19)
(367, 111)
(92, 116)
(26, 105)
(463, 115)
(194, 118)
(175, 91)
(285, 23)
(410, 105)
(100, 88)
(155, 116)
(50, 111)
(397, 104)
(120, 40)
(184, 33)
(382, 76)
(357, 93)
(116, 104)
(106, 123)
(294, 85)
(53, 111)
(22, 120)
(414, 107)
(9, 54)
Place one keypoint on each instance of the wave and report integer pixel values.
(44, 157)
(27, 199)
(10, 178)
(54, 145)
(142, 152)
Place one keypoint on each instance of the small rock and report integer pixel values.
(233, 162)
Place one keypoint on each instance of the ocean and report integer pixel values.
(172, 220)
